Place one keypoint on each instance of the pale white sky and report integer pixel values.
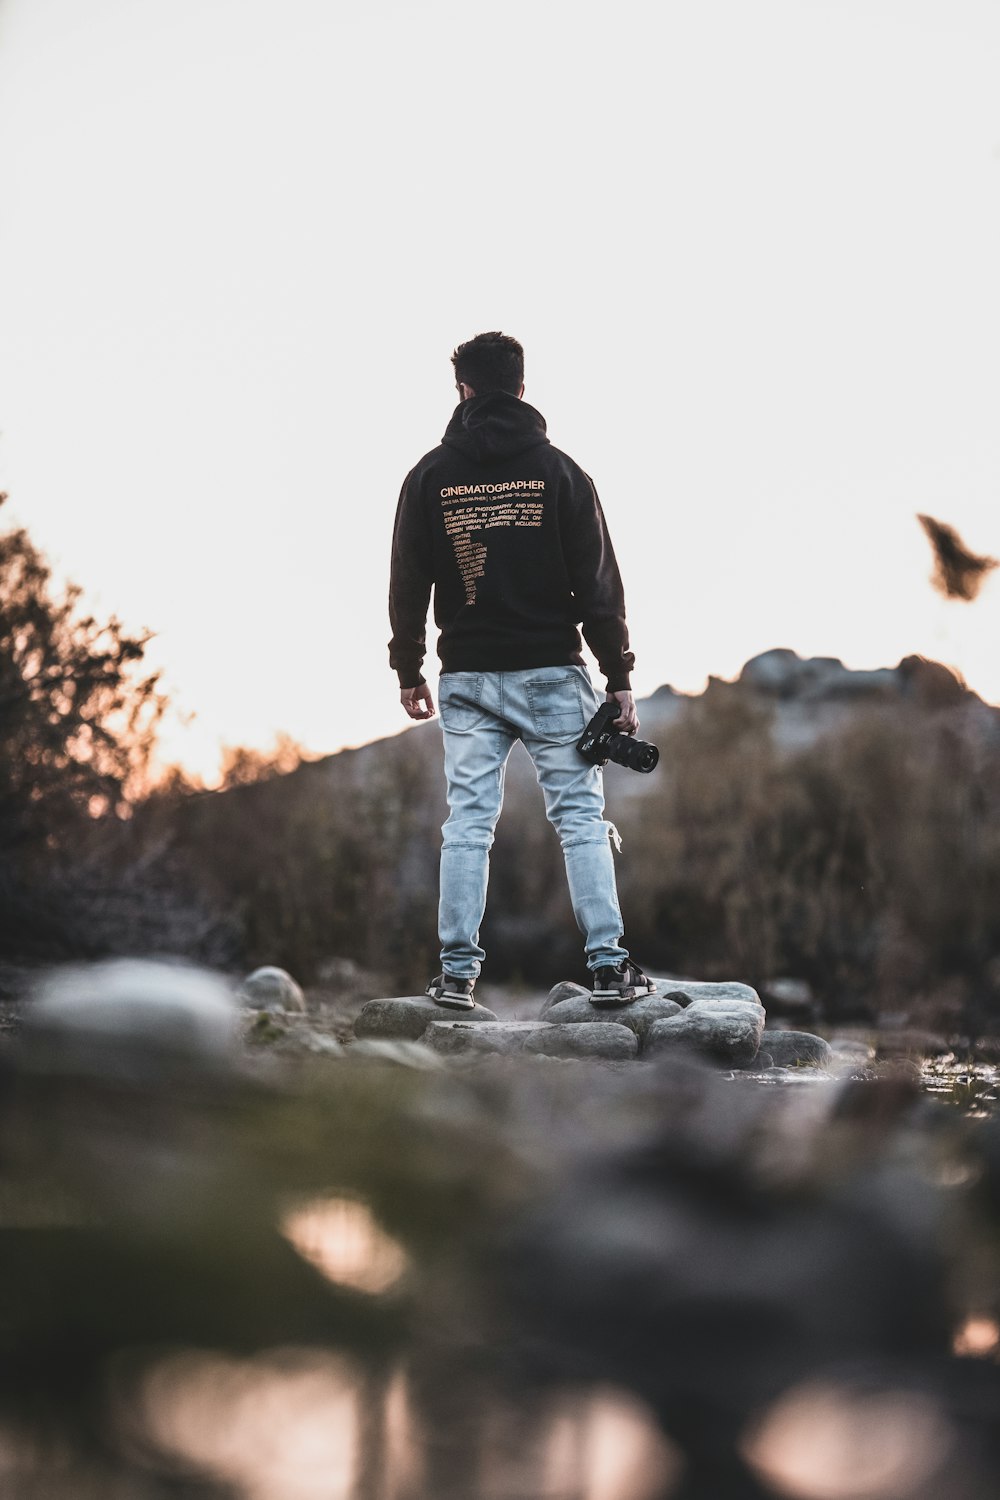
(752, 250)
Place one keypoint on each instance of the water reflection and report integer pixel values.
(527, 1280)
(828, 1442)
(296, 1424)
(342, 1239)
(283, 1426)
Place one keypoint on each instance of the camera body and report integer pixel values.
(600, 743)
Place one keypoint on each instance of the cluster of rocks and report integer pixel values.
(725, 1022)
(125, 1014)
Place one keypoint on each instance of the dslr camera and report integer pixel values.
(599, 743)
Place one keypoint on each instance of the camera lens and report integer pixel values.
(636, 755)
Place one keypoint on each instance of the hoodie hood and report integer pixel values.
(492, 428)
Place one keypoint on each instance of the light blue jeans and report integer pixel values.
(482, 714)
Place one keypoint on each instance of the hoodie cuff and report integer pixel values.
(410, 680)
(620, 683)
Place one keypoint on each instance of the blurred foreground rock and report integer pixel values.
(273, 989)
(130, 1017)
(426, 1277)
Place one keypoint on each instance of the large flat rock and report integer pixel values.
(510, 1038)
(407, 1017)
(688, 991)
(578, 1010)
(730, 1035)
(583, 1039)
(503, 1038)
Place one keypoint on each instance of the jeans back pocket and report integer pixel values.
(556, 707)
(458, 700)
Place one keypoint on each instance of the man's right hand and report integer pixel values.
(417, 701)
(627, 721)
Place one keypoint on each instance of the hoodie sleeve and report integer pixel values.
(596, 583)
(410, 580)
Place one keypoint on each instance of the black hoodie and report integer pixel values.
(510, 534)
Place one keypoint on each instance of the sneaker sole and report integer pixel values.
(611, 998)
(453, 1002)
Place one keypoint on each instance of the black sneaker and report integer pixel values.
(620, 985)
(446, 989)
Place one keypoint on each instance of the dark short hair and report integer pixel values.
(490, 362)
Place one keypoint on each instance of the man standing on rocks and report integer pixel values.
(509, 533)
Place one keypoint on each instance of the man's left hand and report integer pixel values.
(417, 701)
(627, 721)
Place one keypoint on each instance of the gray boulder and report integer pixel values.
(565, 990)
(794, 1049)
(130, 1017)
(501, 1038)
(580, 1039)
(407, 1017)
(728, 1033)
(272, 989)
(638, 1017)
(687, 991)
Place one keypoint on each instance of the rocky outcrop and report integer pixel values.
(723, 1021)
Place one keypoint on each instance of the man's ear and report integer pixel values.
(520, 394)
(465, 391)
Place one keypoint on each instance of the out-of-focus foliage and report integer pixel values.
(78, 715)
(339, 858)
(79, 711)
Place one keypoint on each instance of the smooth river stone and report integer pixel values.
(407, 1017)
(503, 1038)
(791, 1049)
(731, 1036)
(638, 1017)
(584, 1039)
(565, 990)
(272, 989)
(688, 991)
